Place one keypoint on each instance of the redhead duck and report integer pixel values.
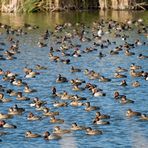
(90, 131)
(76, 127)
(48, 136)
(130, 113)
(29, 134)
(58, 130)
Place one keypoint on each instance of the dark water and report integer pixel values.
(123, 131)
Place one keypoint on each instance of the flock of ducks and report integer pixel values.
(67, 51)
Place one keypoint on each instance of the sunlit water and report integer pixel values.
(122, 132)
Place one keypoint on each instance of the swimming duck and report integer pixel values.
(90, 131)
(136, 84)
(61, 79)
(96, 92)
(76, 103)
(102, 116)
(89, 107)
(76, 127)
(117, 95)
(65, 96)
(20, 97)
(101, 122)
(1, 72)
(6, 125)
(74, 69)
(15, 110)
(39, 67)
(77, 88)
(3, 99)
(76, 81)
(32, 117)
(124, 100)
(144, 117)
(141, 56)
(58, 130)
(5, 116)
(130, 113)
(54, 120)
(112, 52)
(11, 92)
(47, 112)
(133, 73)
(123, 83)
(134, 67)
(103, 79)
(29, 134)
(28, 90)
(117, 75)
(31, 74)
(120, 69)
(60, 104)
(18, 82)
(48, 136)
(128, 53)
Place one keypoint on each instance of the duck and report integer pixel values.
(11, 92)
(65, 96)
(15, 110)
(74, 69)
(136, 84)
(76, 127)
(5, 116)
(124, 100)
(133, 73)
(102, 116)
(61, 79)
(123, 83)
(89, 107)
(130, 113)
(96, 92)
(117, 75)
(117, 95)
(120, 69)
(128, 53)
(58, 130)
(100, 122)
(112, 52)
(39, 67)
(6, 125)
(77, 88)
(28, 90)
(60, 104)
(134, 67)
(90, 131)
(18, 82)
(46, 112)
(103, 79)
(76, 103)
(55, 120)
(76, 81)
(20, 97)
(141, 56)
(29, 134)
(48, 136)
(4, 100)
(32, 117)
(144, 117)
